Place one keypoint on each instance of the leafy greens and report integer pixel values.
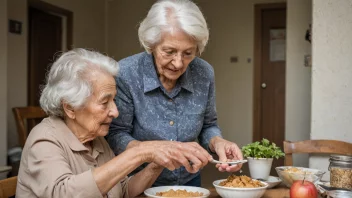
(262, 149)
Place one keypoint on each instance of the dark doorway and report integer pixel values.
(45, 39)
(270, 75)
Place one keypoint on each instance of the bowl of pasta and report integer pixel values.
(240, 186)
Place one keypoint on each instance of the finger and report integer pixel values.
(184, 162)
(194, 150)
(222, 155)
(204, 152)
(236, 152)
(165, 162)
(221, 170)
(196, 163)
(233, 168)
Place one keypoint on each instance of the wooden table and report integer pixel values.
(278, 192)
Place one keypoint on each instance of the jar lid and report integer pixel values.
(343, 158)
(339, 193)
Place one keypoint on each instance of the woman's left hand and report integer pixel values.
(226, 150)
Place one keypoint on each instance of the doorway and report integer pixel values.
(49, 27)
(270, 75)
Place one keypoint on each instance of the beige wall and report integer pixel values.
(332, 74)
(17, 66)
(3, 83)
(298, 77)
(231, 34)
(89, 31)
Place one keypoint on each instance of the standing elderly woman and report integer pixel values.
(168, 92)
(66, 155)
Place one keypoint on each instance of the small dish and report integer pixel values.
(273, 181)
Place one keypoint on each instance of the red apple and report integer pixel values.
(303, 189)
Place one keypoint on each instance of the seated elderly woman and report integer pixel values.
(66, 155)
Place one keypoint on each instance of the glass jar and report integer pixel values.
(339, 194)
(341, 171)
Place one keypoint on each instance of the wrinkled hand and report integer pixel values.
(226, 150)
(172, 154)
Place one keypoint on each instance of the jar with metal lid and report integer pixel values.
(341, 171)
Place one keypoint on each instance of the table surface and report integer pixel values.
(277, 192)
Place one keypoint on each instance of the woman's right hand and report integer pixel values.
(172, 154)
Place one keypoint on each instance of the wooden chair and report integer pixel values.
(8, 187)
(26, 118)
(315, 146)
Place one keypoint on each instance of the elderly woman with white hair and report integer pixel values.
(66, 154)
(168, 92)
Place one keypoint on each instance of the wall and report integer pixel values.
(332, 74)
(89, 31)
(17, 66)
(298, 77)
(233, 80)
(231, 26)
(3, 83)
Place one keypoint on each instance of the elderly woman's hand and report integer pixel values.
(226, 150)
(172, 154)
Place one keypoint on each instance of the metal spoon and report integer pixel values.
(230, 162)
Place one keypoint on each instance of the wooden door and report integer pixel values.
(45, 39)
(270, 75)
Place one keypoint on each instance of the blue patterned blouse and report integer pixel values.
(149, 112)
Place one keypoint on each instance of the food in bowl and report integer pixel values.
(290, 174)
(241, 182)
(152, 192)
(179, 193)
(243, 192)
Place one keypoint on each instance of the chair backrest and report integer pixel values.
(8, 187)
(26, 118)
(316, 146)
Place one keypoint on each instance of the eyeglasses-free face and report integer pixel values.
(173, 54)
(170, 53)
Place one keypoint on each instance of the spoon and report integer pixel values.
(230, 162)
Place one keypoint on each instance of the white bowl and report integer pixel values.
(309, 174)
(151, 192)
(230, 192)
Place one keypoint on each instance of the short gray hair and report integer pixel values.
(166, 15)
(67, 80)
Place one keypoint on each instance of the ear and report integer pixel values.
(69, 111)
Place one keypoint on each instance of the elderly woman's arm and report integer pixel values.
(144, 179)
(50, 173)
(168, 154)
(210, 136)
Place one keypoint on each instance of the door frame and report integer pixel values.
(46, 7)
(257, 106)
(49, 8)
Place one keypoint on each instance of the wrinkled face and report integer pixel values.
(173, 54)
(94, 119)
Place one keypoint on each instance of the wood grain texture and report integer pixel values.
(26, 118)
(8, 187)
(316, 146)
